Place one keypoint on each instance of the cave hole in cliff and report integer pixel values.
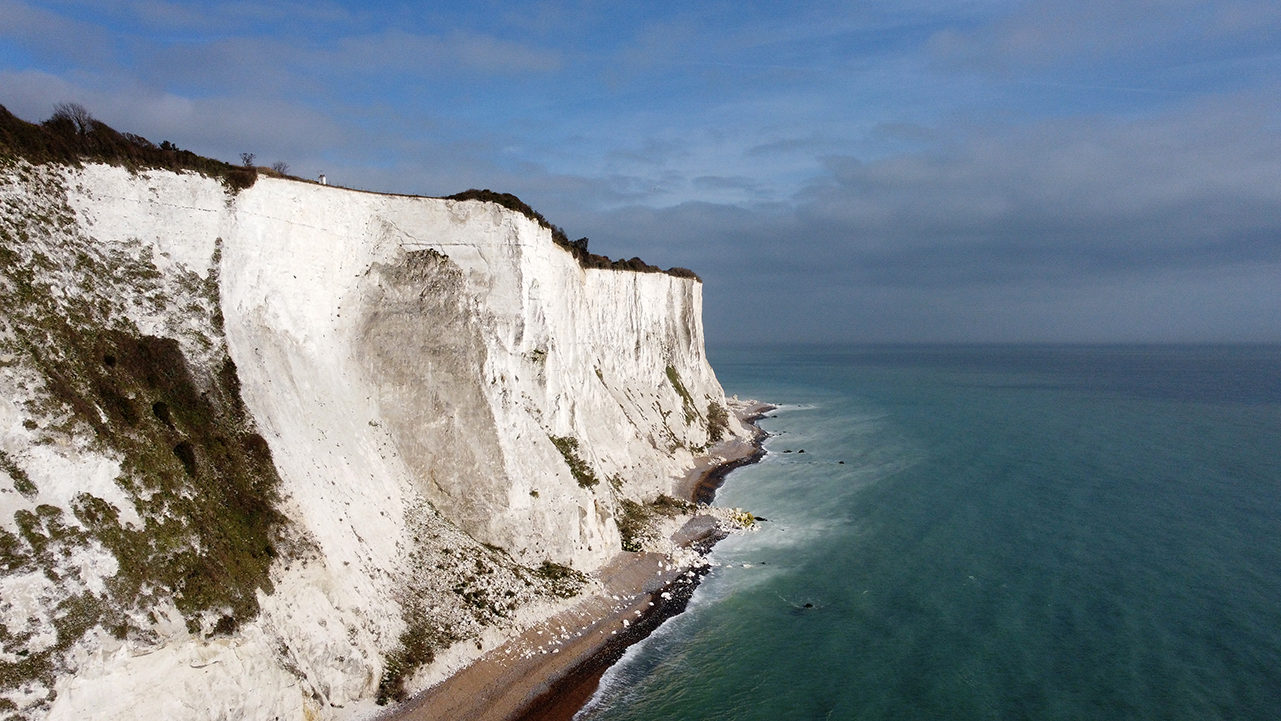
(109, 360)
(187, 454)
(115, 401)
(161, 411)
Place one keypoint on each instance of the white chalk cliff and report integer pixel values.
(412, 364)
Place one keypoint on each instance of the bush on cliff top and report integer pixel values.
(72, 136)
(576, 248)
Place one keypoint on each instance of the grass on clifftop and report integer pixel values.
(72, 136)
(576, 248)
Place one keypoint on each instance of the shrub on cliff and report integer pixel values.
(636, 521)
(581, 471)
(72, 136)
(563, 581)
(717, 421)
(576, 248)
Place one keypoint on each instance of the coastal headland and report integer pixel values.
(273, 449)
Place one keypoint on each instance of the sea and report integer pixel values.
(987, 532)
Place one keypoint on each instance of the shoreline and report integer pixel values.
(571, 693)
(703, 490)
(521, 680)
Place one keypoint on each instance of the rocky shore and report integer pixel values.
(551, 669)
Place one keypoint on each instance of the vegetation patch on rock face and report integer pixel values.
(198, 475)
(717, 422)
(417, 647)
(581, 471)
(636, 521)
(576, 248)
(21, 481)
(201, 478)
(561, 580)
(687, 401)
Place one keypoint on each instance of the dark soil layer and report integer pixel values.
(71, 138)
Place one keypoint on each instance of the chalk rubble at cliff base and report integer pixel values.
(437, 414)
(524, 674)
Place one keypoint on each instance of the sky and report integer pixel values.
(896, 171)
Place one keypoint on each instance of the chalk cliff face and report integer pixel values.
(426, 400)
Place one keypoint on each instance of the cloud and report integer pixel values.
(1061, 197)
(207, 18)
(52, 36)
(399, 51)
(1075, 229)
(902, 132)
(790, 146)
(1050, 33)
(252, 47)
(651, 151)
(212, 126)
(347, 66)
(833, 160)
(244, 15)
(718, 182)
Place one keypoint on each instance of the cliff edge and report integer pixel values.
(268, 451)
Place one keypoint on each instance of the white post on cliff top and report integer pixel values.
(322, 179)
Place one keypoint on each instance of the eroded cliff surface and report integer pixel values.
(267, 453)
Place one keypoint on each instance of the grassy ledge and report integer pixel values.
(582, 472)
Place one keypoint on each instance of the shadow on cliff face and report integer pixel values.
(423, 350)
(421, 344)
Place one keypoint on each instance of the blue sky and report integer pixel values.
(879, 171)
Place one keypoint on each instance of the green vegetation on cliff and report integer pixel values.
(72, 136)
(580, 469)
(192, 465)
(576, 248)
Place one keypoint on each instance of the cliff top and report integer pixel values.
(72, 136)
(577, 248)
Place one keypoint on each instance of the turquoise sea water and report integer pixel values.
(1015, 533)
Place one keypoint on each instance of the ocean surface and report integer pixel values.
(1034, 532)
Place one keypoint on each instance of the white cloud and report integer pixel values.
(399, 51)
(216, 126)
(1049, 33)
